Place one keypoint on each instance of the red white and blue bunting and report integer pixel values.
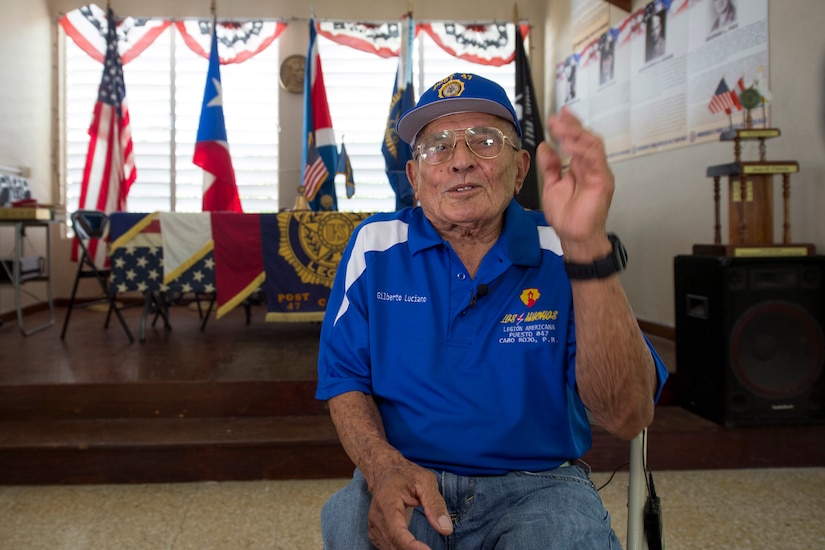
(237, 41)
(381, 39)
(87, 27)
(485, 44)
(482, 43)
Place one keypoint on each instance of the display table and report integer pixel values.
(15, 273)
(292, 256)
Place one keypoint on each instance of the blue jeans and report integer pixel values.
(554, 509)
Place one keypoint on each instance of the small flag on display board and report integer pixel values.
(724, 99)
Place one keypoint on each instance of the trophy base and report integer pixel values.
(755, 250)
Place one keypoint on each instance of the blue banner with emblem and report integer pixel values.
(301, 252)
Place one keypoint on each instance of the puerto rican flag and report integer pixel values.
(320, 153)
(212, 149)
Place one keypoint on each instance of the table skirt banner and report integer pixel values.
(301, 252)
(293, 256)
(239, 265)
(139, 249)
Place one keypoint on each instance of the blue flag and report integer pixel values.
(345, 169)
(396, 152)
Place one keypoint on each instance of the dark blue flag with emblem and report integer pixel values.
(531, 123)
(345, 169)
(396, 152)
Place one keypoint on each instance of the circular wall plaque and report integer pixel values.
(292, 73)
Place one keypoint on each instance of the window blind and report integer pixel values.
(164, 90)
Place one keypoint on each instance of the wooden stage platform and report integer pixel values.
(236, 402)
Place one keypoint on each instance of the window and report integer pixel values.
(164, 90)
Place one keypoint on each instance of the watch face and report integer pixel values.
(614, 262)
(619, 251)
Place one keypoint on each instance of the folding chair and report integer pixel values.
(91, 225)
(644, 530)
(637, 494)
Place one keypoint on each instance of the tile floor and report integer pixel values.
(709, 509)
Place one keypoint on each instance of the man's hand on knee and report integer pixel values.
(395, 493)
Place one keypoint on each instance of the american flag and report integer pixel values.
(110, 162)
(320, 154)
(315, 171)
(137, 252)
(724, 99)
(138, 258)
(212, 149)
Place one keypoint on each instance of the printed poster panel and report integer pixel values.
(732, 45)
(645, 84)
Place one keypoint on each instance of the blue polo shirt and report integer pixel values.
(474, 382)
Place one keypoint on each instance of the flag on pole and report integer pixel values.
(319, 154)
(110, 163)
(396, 152)
(532, 126)
(211, 148)
(345, 169)
(724, 99)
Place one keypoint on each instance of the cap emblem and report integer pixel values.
(452, 88)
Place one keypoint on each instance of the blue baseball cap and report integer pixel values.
(457, 93)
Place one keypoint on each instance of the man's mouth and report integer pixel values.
(463, 188)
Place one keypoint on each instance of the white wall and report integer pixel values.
(663, 203)
(25, 108)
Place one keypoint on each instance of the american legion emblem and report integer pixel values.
(313, 242)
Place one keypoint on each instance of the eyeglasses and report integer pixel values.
(485, 142)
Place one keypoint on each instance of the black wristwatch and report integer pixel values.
(614, 262)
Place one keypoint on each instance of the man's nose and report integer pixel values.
(462, 153)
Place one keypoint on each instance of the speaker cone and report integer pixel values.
(777, 349)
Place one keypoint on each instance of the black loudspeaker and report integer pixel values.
(750, 348)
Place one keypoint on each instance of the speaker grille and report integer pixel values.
(750, 338)
(777, 349)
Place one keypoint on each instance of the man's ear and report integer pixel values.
(412, 175)
(522, 167)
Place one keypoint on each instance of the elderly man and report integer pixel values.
(466, 339)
